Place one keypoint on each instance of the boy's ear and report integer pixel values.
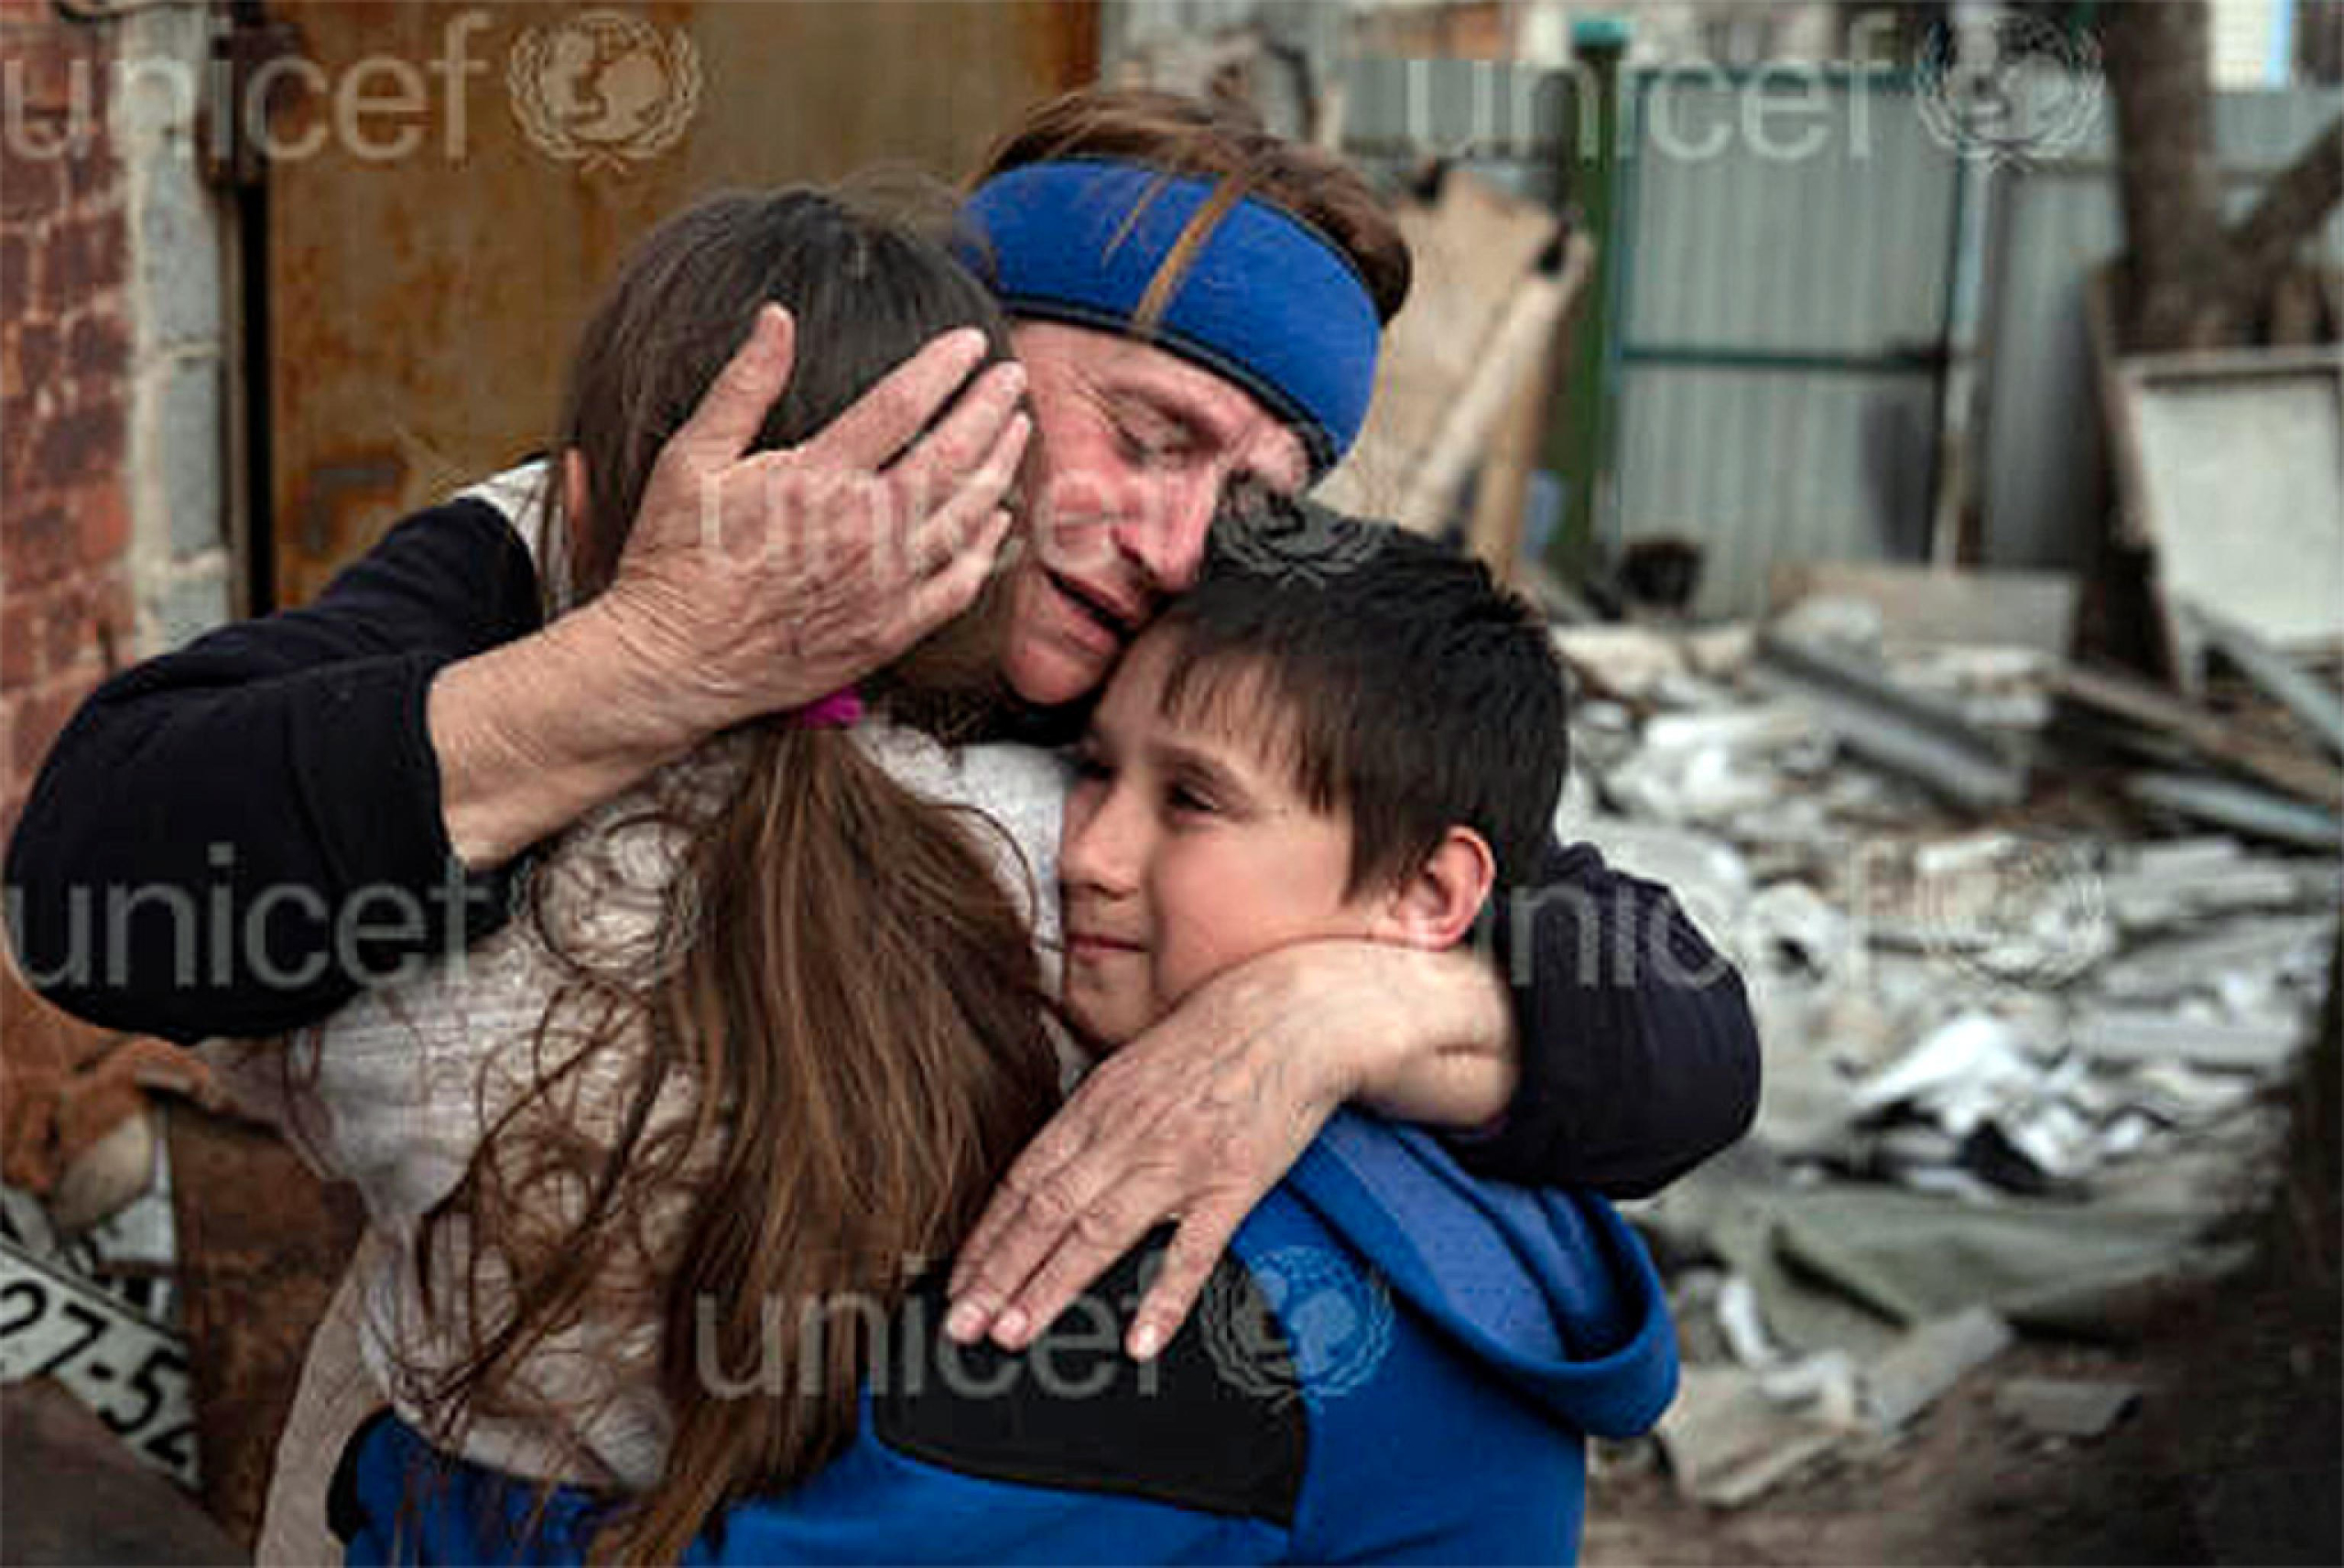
(1435, 904)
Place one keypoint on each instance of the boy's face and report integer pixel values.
(1188, 848)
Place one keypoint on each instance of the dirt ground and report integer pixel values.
(2232, 1456)
(2235, 1453)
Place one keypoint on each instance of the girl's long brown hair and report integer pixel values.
(811, 1082)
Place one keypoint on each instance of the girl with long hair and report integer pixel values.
(774, 1022)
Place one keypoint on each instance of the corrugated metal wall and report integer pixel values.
(1780, 393)
(1785, 298)
(1778, 396)
(2042, 475)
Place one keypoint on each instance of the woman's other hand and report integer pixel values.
(1198, 1119)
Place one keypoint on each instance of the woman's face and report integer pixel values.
(1135, 448)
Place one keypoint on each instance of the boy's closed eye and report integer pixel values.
(1190, 800)
(1197, 782)
(1188, 783)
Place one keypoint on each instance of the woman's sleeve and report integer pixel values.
(1639, 1054)
(233, 838)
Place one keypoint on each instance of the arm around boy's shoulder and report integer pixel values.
(266, 776)
(1639, 1053)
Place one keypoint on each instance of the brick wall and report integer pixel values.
(67, 611)
(65, 389)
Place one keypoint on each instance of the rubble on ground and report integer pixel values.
(2027, 944)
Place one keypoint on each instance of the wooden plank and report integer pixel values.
(2316, 705)
(1510, 357)
(1923, 604)
(2228, 465)
(2218, 741)
(2241, 808)
(2116, 405)
(2157, 1034)
(1474, 246)
(1909, 732)
(1502, 493)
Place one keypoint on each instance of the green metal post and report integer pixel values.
(1577, 436)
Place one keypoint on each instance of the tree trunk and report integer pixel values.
(2186, 281)
(2159, 67)
(2294, 206)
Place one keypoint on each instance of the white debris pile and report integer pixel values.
(2016, 1033)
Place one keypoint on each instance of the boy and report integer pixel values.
(1371, 751)
(1394, 1361)
(1374, 753)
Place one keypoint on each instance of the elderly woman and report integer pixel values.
(324, 795)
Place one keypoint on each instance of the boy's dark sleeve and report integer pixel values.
(233, 838)
(1639, 1054)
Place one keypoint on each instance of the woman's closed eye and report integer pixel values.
(1150, 445)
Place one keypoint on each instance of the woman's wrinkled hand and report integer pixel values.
(756, 582)
(1198, 1119)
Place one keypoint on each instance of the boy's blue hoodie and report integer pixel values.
(1396, 1362)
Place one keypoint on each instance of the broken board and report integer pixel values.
(1475, 246)
(1924, 605)
(2232, 466)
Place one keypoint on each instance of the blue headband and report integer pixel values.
(1268, 301)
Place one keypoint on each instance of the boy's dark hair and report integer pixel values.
(1416, 693)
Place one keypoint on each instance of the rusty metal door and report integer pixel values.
(447, 186)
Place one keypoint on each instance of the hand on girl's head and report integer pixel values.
(758, 582)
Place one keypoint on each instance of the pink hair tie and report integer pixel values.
(842, 709)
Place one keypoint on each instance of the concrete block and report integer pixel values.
(2064, 1407)
(176, 232)
(184, 605)
(1916, 1371)
(177, 218)
(1920, 604)
(180, 402)
(1728, 1443)
(2153, 1034)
